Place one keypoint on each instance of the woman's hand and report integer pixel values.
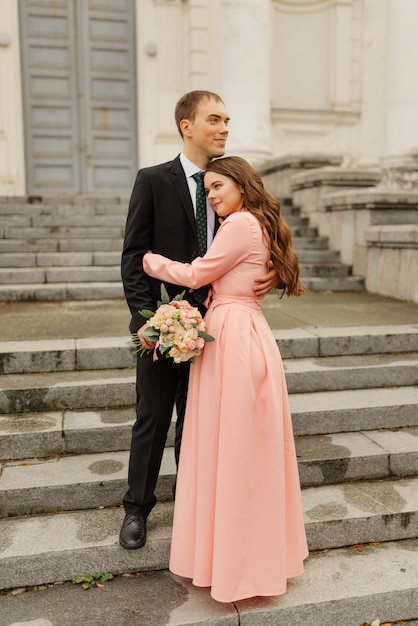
(264, 284)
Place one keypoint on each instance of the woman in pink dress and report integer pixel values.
(238, 519)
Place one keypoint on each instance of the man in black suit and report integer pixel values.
(161, 218)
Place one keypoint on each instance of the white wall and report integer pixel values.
(12, 169)
(333, 76)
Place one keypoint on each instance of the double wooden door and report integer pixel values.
(79, 86)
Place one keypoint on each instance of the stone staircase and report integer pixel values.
(66, 409)
(54, 249)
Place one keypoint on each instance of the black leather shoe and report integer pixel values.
(133, 533)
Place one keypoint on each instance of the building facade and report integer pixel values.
(88, 87)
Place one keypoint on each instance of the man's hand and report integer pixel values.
(146, 343)
(266, 283)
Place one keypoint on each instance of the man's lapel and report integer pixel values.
(182, 189)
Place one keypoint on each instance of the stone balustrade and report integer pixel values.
(392, 260)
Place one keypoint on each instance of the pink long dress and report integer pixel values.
(238, 520)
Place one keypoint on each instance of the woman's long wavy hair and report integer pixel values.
(266, 209)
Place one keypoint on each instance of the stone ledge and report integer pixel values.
(299, 161)
(375, 198)
(335, 176)
(394, 236)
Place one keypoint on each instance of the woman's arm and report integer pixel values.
(230, 246)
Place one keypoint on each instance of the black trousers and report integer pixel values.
(159, 385)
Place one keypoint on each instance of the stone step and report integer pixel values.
(304, 231)
(105, 272)
(63, 232)
(14, 260)
(337, 587)
(351, 372)
(117, 352)
(310, 243)
(50, 275)
(324, 270)
(354, 410)
(347, 283)
(59, 259)
(63, 390)
(39, 549)
(318, 256)
(62, 221)
(55, 433)
(115, 387)
(34, 246)
(49, 202)
(85, 481)
(59, 292)
(72, 483)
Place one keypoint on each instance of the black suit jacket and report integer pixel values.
(161, 219)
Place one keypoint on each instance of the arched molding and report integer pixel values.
(307, 6)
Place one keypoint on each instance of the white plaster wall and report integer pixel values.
(401, 128)
(296, 76)
(316, 76)
(12, 168)
(177, 51)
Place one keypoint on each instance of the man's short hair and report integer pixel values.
(187, 105)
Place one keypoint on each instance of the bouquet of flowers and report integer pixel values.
(177, 328)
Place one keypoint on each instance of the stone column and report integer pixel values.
(401, 128)
(244, 60)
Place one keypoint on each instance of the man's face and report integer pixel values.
(205, 137)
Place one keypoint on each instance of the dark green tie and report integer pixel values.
(202, 229)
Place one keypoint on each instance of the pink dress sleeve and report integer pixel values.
(231, 245)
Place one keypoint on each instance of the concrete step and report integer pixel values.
(46, 548)
(84, 481)
(63, 232)
(67, 390)
(351, 372)
(55, 433)
(371, 583)
(309, 256)
(310, 243)
(19, 246)
(324, 269)
(63, 221)
(354, 410)
(50, 275)
(115, 387)
(72, 483)
(59, 292)
(304, 231)
(104, 272)
(65, 259)
(117, 352)
(59, 259)
(367, 455)
(346, 283)
(52, 203)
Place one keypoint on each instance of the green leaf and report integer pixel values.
(147, 313)
(179, 296)
(205, 336)
(151, 333)
(165, 298)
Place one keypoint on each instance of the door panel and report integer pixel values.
(78, 60)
